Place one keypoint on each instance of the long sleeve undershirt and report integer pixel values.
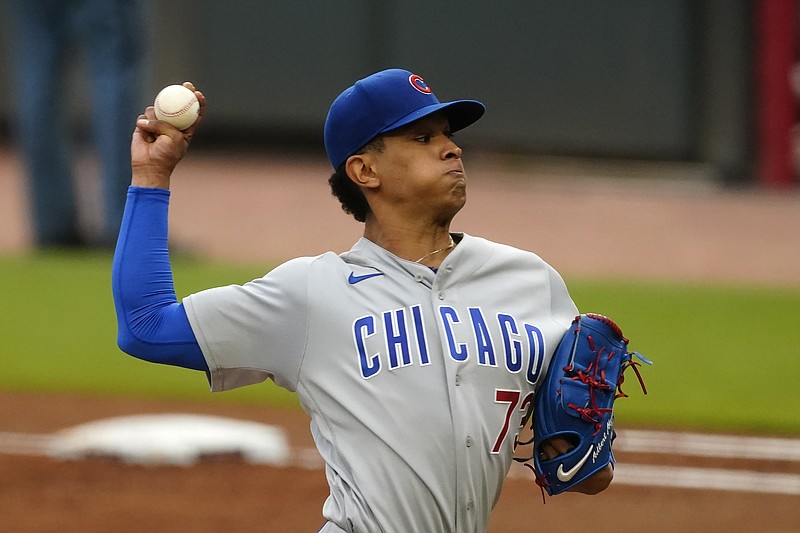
(151, 323)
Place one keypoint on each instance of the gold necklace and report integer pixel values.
(448, 247)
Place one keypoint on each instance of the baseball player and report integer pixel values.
(417, 353)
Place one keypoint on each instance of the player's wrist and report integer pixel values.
(150, 178)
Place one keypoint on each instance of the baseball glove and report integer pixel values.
(576, 402)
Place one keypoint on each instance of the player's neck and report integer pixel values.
(427, 246)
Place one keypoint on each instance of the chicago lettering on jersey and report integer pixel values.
(398, 338)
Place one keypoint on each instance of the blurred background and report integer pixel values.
(624, 141)
(646, 149)
(705, 82)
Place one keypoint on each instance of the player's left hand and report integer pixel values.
(573, 421)
(157, 147)
(594, 484)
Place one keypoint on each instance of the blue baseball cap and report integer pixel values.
(383, 102)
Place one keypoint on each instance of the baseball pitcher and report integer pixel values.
(418, 353)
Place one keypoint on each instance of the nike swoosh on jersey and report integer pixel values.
(569, 474)
(353, 279)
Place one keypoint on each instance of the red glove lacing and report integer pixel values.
(595, 380)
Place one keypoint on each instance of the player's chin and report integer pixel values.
(458, 197)
(450, 207)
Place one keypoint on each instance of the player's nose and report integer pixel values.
(452, 150)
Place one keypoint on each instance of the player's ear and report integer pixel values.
(360, 169)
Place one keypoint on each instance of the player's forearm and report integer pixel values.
(152, 325)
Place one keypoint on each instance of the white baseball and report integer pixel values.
(177, 105)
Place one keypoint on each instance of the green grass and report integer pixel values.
(58, 330)
(726, 357)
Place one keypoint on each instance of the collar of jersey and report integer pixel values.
(367, 254)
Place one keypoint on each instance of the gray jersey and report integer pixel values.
(416, 383)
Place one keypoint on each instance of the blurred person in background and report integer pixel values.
(47, 36)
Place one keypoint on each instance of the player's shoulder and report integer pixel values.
(500, 251)
(302, 266)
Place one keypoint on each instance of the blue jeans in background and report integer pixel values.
(48, 33)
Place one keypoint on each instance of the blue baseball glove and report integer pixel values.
(576, 402)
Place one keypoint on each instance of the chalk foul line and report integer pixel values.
(633, 441)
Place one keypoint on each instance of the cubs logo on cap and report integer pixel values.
(419, 84)
(383, 102)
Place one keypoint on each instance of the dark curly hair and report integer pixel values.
(348, 193)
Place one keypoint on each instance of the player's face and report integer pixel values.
(421, 170)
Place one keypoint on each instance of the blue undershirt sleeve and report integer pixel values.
(151, 323)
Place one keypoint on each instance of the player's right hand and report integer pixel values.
(157, 147)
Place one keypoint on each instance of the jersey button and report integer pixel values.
(470, 505)
(469, 442)
(458, 380)
(441, 296)
(419, 278)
